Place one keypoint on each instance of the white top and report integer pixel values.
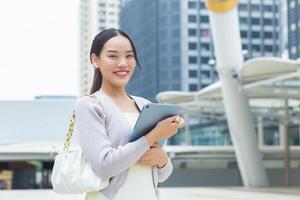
(132, 118)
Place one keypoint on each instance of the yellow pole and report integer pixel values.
(220, 6)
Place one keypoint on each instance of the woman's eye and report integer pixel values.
(130, 56)
(112, 56)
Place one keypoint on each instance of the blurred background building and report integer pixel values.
(294, 28)
(95, 16)
(177, 36)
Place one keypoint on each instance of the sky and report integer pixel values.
(39, 48)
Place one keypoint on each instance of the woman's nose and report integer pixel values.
(122, 62)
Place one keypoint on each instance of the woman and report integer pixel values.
(103, 129)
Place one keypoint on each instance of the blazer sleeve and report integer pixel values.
(105, 160)
(165, 172)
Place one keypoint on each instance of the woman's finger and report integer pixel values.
(172, 118)
(155, 145)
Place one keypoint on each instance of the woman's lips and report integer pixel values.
(121, 73)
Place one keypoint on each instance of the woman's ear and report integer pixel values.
(94, 60)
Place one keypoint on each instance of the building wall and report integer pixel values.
(294, 28)
(179, 31)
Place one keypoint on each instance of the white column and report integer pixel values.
(227, 45)
(260, 130)
(286, 145)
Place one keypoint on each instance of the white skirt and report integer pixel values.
(139, 181)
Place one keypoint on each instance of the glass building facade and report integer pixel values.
(175, 46)
(294, 28)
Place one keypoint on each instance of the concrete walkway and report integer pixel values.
(203, 193)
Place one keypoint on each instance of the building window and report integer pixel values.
(175, 19)
(192, 45)
(268, 35)
(267, 21)
(176, 87)
(293, 27)
(102, 5)
(268, 48)
(191, 4)
(176, 74)
(202, 5)
(256, 48)
(204, 19)
(243, 20)
(242, 7)
(254, 7)
(254, 21)
(204, 60)
(175, 33)
(192, 18)
(163, 47)
(175, 60)
(204, 33)
(294, 49)
(192, 32)
(244, 46)
(175, 5)
(192, 87)
(175, 46)
(192, 60)
(267, 8)
(163, 33)
(163, 61)
(292, 4)
(205, 74)
(205, 46)
(243, 34)
(163, 7)
(193, 73)
(255, 34)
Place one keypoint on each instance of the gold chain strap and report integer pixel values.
(70, 132)
(72, 124)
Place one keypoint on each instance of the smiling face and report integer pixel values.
(116, 61)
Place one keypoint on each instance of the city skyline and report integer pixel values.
(63, 72)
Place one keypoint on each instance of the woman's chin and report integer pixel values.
(121, 83)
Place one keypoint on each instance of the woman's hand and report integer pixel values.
(154, 156)
(165, 129)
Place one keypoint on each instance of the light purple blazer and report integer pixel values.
(105, 144)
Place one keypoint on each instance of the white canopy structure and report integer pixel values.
(261, 78)
(269, 83)
(266, 82)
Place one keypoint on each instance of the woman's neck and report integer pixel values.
(117, 93)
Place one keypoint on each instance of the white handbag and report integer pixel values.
(71, 173)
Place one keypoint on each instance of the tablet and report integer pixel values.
(150, 115)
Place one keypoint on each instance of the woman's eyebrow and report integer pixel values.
(115, 51)
(112, 51)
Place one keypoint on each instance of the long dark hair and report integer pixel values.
(97, 46)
